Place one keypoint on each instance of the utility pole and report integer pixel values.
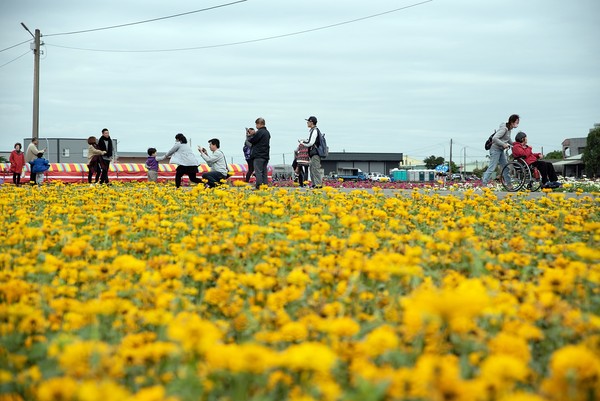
(36, 80)
(450, 164)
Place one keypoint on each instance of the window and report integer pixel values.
(65, 152)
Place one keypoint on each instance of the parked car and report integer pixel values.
(378, 177)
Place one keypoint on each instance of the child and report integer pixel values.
(17, 162)
(95, 161)
(520, 149)
(152, 165)
(38, 167)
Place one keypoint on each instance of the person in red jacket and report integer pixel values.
(17, 162)
(522, 150)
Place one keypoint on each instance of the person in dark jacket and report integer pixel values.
(260, 151)
(105, 144)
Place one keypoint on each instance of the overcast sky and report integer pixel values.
(404, 81)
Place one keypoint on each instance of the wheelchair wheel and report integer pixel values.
(535, 180)
(514, 176)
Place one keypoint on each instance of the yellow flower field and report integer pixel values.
(143, 292)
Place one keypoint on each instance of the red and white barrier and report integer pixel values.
(127, 172)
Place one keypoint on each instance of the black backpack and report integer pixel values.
(488, 143)
(322, 148)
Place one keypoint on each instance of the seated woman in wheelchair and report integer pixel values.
(522, 150)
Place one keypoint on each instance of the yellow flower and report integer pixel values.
(57, 389)
(380, 341)
(294, 331)
(502, 372)
(309, 356)
(574, 373)
(509, 344)
(193, 333)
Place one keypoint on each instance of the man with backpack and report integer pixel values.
(312, 143)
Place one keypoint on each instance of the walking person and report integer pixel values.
(500, 142)
(182, 155)
(17, 162)
(31, 155)
(314, 135)
(106, 144)
(260, 152)
(247, 149)
(216, 161)
(546, 169)
(95, 161)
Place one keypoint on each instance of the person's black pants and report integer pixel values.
(190, 171)
(250, 169)
(546, 170)
(104, 174)
(91, 171)
(260, 171)
(32, 177)
(302, 174)
(214, 178)
(17, 178)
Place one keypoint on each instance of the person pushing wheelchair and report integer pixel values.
(522, 150)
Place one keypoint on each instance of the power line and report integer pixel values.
(245, 41)
(18, 44)
(15, 59)
(145, 21)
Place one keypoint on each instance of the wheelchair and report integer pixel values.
(518, 175)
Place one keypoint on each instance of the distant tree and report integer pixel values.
(455, 169)
(432, 162)
(479, 171)
(591, 153)
(3, 159)
(554, 155)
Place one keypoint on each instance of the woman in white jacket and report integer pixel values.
(182, 155)
(500, 142)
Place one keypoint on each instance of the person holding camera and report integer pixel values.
(216, 161)
(261, 149)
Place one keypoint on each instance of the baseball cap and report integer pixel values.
(312, 119)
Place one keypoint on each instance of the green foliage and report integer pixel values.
(554, 155)
(591, 154)
(432, 161)
(479, 171)
(3, 159)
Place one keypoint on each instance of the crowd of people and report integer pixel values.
(256, 150)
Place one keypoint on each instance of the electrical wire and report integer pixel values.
(245, 41)
(145, 21)
(18, 44)
(15, 59)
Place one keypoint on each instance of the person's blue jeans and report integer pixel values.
(497, 157)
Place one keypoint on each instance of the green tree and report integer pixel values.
(432, 162)
(591, 153)
(479, 171)
(554, 155)
(455, 169)
(3, 159)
